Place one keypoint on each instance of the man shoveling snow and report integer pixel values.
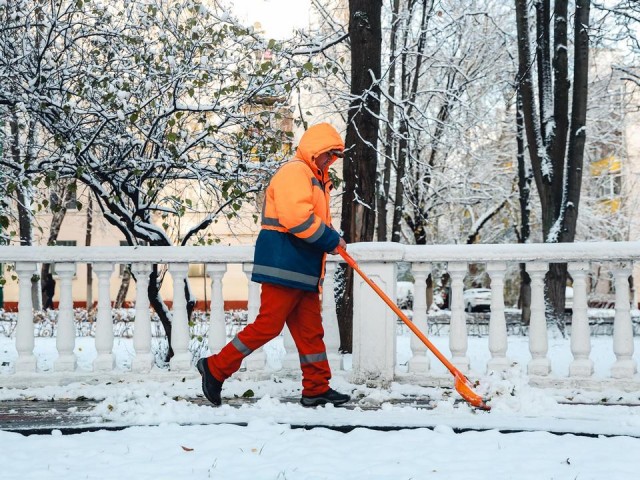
(295, 236)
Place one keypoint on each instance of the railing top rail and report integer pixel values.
(529, 252)
(364, 252)
(138, 254)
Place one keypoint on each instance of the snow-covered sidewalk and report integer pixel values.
(189, 440)
(177, 438)
(267, 450)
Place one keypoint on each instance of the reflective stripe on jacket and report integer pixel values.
(296, 223)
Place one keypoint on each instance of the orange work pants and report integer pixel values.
(300, 310)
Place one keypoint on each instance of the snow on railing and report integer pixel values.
(374, 358)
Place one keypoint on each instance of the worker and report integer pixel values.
(290, 252)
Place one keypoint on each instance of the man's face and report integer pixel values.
(323, 160)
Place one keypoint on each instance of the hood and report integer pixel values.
(318, 139)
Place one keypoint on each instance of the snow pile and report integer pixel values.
(510, 392)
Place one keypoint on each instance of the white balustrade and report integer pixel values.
(66, 334)
(143, 360)
(625, 366)
(419, 363)
(458, 338)
(582, 365)
(24, 330)
(217, 329)
(291, 360)
(181, 360)
(538, 336)
(374, 323)
(104, 325)
(256, 362)
(330, 319)
(497, 322)
(375, 326)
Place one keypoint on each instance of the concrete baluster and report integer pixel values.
(582, 365)
(217, 324)
(538, 341)
(419, 363)
(180, 336)
(291, 360)
(256, 362)
(104, 323)
(330, 318)
(143, 360)
(497, 321)
(26, 362)
(66, 332)
(374, 326)
(458, 336)
(625, 366)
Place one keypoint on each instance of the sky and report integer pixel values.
(176, 439)
(278, 18)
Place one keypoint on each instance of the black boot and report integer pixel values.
(330, 396)
(211, 386)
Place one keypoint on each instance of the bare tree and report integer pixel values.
(524, 200)
(554, 109)
(61, 194)
(620, 26)
(360, 165)
(453, 131)
(87, 241)
(156, 126)
(389, 139)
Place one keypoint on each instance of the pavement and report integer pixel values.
(72, 416)
(37, 416)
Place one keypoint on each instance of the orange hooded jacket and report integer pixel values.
(296, 229)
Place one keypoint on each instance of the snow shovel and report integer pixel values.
(461, 383)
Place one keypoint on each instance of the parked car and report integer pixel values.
(568, 299)
(477, 299)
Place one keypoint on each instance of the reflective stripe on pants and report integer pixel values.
(300, 310)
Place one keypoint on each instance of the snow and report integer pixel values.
(174, 438)
(266, 450)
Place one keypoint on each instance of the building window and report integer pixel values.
(610, 186)
(66, 243)
(606, 183)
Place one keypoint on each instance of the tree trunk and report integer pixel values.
(124, 288)
(21, 156)
(409, 92)
(524, 300)
(155, 299)
(389, 137)
(87, 242)
(577, 136)
(558, 176)
(524, 195)
(398, 212)
(64, 193)
(359, 167)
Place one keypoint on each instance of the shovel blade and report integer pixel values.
(463, 387)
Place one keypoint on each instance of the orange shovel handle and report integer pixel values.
(462, 384)
(352, 263)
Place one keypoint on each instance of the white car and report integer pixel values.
(477, 299)
(568, 299)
